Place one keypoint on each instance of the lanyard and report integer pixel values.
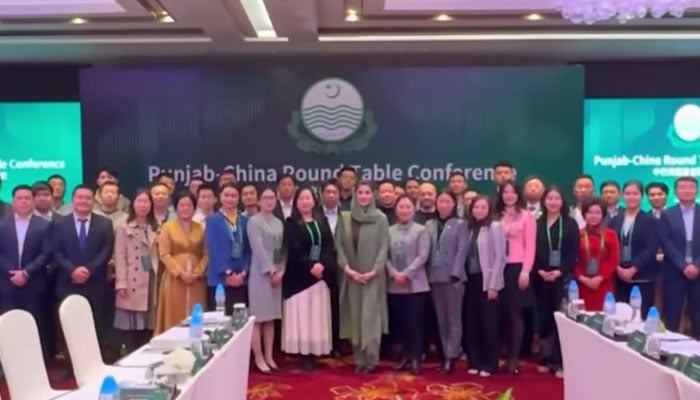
(626, 238)
(549, 234)
(587, 244)
(232, 228)
(315, 234)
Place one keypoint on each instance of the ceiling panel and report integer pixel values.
(477, 5)
(30, 8)
(468, 5)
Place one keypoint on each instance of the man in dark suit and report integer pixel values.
(43, 208)
(25, 250)
(286, 188)
(680, 232)
(83, 245)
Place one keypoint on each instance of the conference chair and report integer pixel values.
(22, 358)
(78, 327)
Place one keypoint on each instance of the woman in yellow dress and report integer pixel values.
(182, 252)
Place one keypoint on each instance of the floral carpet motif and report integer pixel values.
(335, 379)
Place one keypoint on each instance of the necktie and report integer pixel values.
(82, 233)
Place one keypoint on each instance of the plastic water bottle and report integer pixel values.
(197, 323)
(109, 389)
(636, 302)
(573, 291)
(196, 329)
(220, 297)
(609, 306)
(652, 324)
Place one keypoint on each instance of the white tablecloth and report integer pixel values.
(225, 376)
(687, 388)
(596, 368)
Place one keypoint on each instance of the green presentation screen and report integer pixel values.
(38, 140)
(644, 139)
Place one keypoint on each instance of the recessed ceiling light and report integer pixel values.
(351, 15)
(443, 17)
(534, 17)
(77, 21)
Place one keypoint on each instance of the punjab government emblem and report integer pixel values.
(332, 119)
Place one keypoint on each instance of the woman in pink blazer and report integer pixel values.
(521, 241)
(136, 264)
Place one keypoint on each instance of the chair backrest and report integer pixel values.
(21, 357)
(78, 327)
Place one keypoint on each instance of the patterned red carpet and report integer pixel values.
(336, 380)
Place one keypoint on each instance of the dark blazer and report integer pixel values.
(35, 254)
(644, 242)
(95, 256)
(297, 276)
(569, 245)
(673, 237)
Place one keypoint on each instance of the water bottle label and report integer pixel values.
(555, 259)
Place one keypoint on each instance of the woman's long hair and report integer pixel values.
(150, 217)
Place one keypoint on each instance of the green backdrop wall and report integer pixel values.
(390, 122)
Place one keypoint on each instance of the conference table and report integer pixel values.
(597, 368)
(224, 377)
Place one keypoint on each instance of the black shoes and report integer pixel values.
(401, 365)
(415, 367)
(446, 367)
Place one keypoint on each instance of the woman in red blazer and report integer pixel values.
(598, 258)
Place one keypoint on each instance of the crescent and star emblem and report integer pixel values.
(332, 91)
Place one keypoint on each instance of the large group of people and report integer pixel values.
(396, 269)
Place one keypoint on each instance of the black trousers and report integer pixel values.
(335, 313)
(233, 295)
(30, 299)
(408, 311)
(530, 316)
(549, 297)
(133, 340)
(480, 326)
(647, 289)
(431, 329)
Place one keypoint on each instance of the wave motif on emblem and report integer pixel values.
(332, 110)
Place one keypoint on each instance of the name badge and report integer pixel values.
(473, 261)
(592, 267)
(400, 262)
(315, 253)
(626, 256)
(555, 259)
(689, 251)
(146, 263)
(277, 256)
(237, 250)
